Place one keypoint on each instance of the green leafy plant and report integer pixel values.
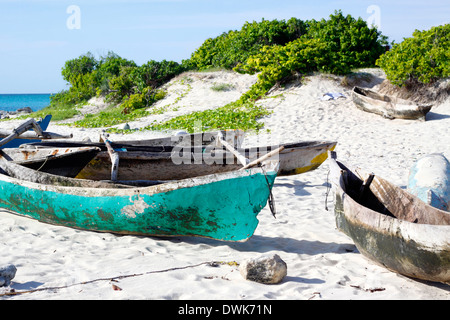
(423, 58)
(231, 116)
(233, 47)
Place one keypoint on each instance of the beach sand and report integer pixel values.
(322, 262)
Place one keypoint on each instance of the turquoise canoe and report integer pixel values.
(221, 206)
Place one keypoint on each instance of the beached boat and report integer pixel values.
(161, 144)
(221, 206)
(159, 162)
(295, 158)
(388, 106)
(233, 137)
(390, 226)
(298, 157)
(64, 161)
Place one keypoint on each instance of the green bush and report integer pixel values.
(350, 42)
(120, 80)
(423, 58)
(277, 62)
(233, 47)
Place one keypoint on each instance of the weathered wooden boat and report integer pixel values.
(159, 162)
(221, 206)
(298, 157)
(63, 161)
(390, 226)
(429, 180)
(388, 106)
(162, 144)
(233, 137)
(295, 158)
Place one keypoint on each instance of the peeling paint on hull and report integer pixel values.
(221, 206)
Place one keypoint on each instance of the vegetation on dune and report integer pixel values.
(422, 58)
(275, 50)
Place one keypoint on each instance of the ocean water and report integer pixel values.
(12, 102)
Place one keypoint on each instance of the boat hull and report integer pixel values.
(221, 206)
(429, 180)
(388, 107)
(408, 247)
(294, 159)
(62, 161)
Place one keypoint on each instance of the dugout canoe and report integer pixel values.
(390, 226)
(221, 206)
(61, 161)
(160, 162)
(388, 106)
(161, 144)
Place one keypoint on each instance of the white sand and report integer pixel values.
(322, 262)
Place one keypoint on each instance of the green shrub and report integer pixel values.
(277, 62)
(350, 42)
(424, 57)
(233, 47)
(337, 45)
(142, 100)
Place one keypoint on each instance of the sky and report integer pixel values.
(38, 36)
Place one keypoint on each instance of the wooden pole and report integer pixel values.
(262, 158)
(114, 159)
(242, 159)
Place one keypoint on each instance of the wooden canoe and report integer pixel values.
(64, 161)
(388, 106)
(234, 137)
(160, 162)
(390, 226)
(221, 206)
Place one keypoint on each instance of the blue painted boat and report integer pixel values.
(43, 123)
(222, 206)
(429, 180)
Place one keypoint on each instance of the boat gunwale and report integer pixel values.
(383, 223)
(270, 167)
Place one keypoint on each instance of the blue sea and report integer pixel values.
(12, 102)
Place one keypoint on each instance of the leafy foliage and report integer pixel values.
(233, 47)
(336, 45)
(275, 49)
(231, 116)
(424, 57)
(119, 79)
(277, 62)
(350, 42)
